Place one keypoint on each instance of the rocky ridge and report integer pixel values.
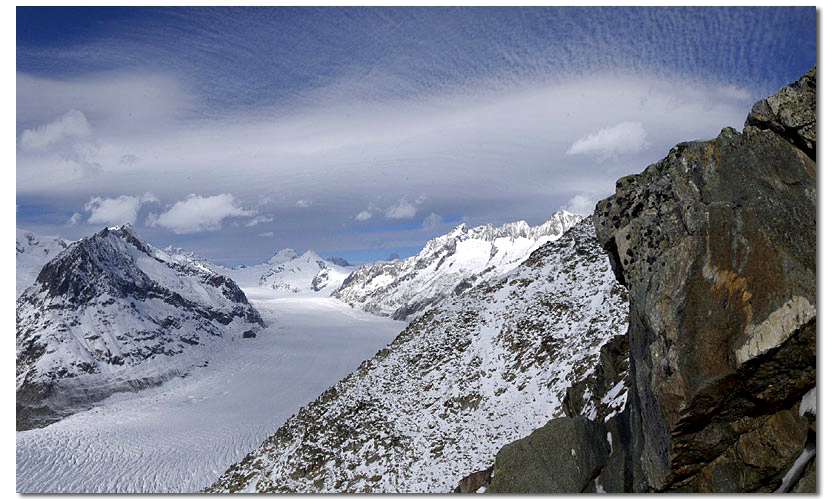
(716, 244)
(471, 374)
(448, 265)
(111, 313)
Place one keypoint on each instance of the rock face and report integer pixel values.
(473, 373)
(111, 313)
(716, 244)
(564, 455)
(448, 265)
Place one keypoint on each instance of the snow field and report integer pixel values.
(179, 437)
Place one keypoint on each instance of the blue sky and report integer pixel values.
(235, 132)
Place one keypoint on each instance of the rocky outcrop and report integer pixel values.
(716, 244)
(565, 455)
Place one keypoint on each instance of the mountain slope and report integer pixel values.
(33, 251)
(468, 376)
(111, 313)
(448, 265)
(287, 273)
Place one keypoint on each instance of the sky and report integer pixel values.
(359, 132)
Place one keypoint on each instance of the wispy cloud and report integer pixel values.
(431, 221)
(580, 205)
(198, 214)
(74, 219)
(259, 220)
(624, 138)
(70, 125)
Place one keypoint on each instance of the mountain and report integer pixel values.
(447, 266)
(716, 244)
(33, 251)
(288, 273)
(471, 374)
(305, 273)
(111, 313)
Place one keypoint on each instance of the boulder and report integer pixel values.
(564, 456)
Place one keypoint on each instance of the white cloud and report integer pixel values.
(198, 214)
(404, 208)
(580, 205)
(74, 219)
(364, 215)
(432, 221)
(625, 137)
(122, 209)
(258, 220)
(70, 125)
(301, 203)
(267, 234)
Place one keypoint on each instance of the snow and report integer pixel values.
(33, 251)
(448, 265)
(808, 403)
(468, 376)
(180, 436)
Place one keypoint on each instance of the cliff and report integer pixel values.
(716, 244)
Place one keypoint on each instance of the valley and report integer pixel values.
(180, 436)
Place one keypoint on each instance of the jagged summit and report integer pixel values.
(448, 265)
(112, 313)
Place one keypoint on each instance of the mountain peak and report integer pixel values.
(283, 256)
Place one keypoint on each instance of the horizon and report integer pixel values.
(360, 132)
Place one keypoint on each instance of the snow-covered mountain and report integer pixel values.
(448, 265)
(471, 374)
(287, 273)
(111, 313)
(33, 251)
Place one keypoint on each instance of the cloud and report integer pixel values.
(122, 209)
(266, 234)
(403, 208)
(301, 203)
(623, 138)
(364, 215)
(72, 124)
(73, 220)
(198, 214)
(432, 221)
(580, 205)
(258, 220)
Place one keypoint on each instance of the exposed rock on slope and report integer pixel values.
(111, 313)
(716, 244)
(468, 376)
(447, 266)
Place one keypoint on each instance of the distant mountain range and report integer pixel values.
(448, 266)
